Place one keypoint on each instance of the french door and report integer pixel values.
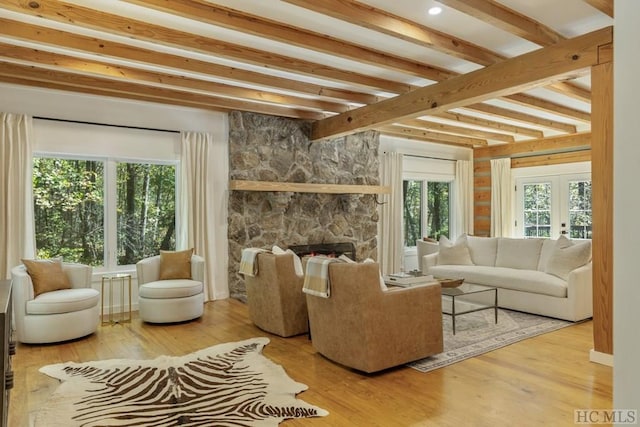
(552, 205)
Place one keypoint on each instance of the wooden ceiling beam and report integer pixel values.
(518, 116)
(105, 48)
(428, 136)
(604, 6)
(255, 25)
(548, 106)
(430, 125)
(552, 144)
(69, 13)
(109, 70)
(490, 124)
(522, 26)
(505, 78)
(507, 19)
(379, 20)
(119, 88)
(101, 92)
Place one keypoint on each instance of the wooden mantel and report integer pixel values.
(300, 187)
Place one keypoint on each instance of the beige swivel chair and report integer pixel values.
(170, 300)
(363, 327)
(275, 298)
(58, 315)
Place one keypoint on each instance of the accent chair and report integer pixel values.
(369, 329)
(55, 315)
(274, 296)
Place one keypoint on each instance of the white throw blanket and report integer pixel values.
(249, 261)
(316, 279)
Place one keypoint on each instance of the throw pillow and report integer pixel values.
(568, 255)
(175, 264)
(46, 275)
(454, 253)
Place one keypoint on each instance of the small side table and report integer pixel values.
(123, 280)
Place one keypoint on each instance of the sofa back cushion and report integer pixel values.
(523, 254)
(483, 250)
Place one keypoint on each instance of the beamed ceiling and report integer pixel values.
(482, 72)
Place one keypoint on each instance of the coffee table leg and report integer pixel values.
(495, 305)
(453, 313)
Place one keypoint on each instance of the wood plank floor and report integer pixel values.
(536, 382)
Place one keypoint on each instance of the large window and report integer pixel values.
(426, 209)
(103, 212)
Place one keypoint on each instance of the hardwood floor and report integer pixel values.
(536, 382)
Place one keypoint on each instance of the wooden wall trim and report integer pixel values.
(545, 151)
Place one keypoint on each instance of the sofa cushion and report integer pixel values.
(568, 255)
(175, 264)
(483, 250)
(46, 275)
(532, 281)
(454, 253)
(176, 288)
(63, 301)
(522, 254)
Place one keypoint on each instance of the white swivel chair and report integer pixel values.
(171, 300)
(58, 315)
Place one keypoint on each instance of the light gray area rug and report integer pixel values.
(477, 333)
(229, 384)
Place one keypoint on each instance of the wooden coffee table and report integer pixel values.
(466, 289)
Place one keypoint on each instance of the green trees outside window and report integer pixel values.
(83, 213)
(426, 210)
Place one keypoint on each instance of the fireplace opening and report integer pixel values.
(328, 249)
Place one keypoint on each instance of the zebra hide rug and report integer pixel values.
(229, 384)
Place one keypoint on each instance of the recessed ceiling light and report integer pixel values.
(435, 10)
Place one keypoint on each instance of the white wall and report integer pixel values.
(626, 234)
(101, 140)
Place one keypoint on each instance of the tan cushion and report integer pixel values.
(46, 275)
(175, 264)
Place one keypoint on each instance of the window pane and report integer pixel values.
(68, 209)
(145, 211)
(438, 209)
(537, 210)
(580, 209)
(412, 212)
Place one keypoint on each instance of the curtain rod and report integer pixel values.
(429, 157)
(105, 124)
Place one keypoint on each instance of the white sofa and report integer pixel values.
(540, 276)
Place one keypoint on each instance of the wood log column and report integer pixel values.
(602, 205)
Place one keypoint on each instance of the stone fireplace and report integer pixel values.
(269, 148)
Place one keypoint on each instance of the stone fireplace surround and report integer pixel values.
(269, 148)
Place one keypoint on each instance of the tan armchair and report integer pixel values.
(274, 296)
(368, 329)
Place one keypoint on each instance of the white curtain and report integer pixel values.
(501, 197)
(17, 239)
(203, 207)
(463, 191)
(390, 242)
